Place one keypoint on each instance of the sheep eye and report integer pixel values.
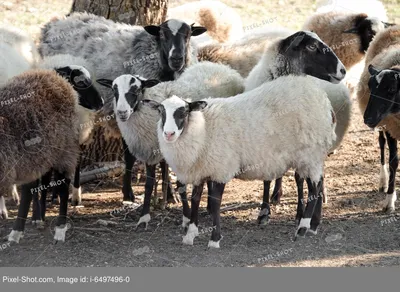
(312, 47)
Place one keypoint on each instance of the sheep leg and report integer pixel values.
(43, 195)
(127, 182)
(15, 194)
(300, 197)
(209, 188)
(77, 190)
(185, 204)
(54, 195)
(61, 225)
(317, 215)
(166, 183)
(148, 190)
(36, 208)
(3, 208)
(384, 175)
(216, 198)
(19, 225)
(277, 193)
(393, 164)
(305, 221)
(263, 216)
(193, 229)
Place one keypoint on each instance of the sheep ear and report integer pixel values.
(152, 103)
(198, 30)
(64, 71)
(149, 83)
(386, 24)
(352, 30)
(153, 30)
(105, 82)
(197, 105)
(372, 70)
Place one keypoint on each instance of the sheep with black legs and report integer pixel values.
(378, 94)
(275, 64)
(214, 139)
(223, 23)
(155, 52)
(243, 54)
(138, 124)
(17, 54)
(32, 128)
(78, 73)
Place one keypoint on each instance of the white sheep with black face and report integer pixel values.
(215, 139)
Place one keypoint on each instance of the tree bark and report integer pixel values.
(134, 12)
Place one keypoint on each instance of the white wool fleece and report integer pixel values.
(269, 126)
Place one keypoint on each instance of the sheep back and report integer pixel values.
(329, 27)
(264, 131)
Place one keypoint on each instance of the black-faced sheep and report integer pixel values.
(378, 97)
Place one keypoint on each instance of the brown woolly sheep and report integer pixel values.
(243, 54)
(381, 75)
(222, 22)
(348, 34)
(39, 125)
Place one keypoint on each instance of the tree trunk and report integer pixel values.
(135, 12)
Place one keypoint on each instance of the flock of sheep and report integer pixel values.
(205, 99)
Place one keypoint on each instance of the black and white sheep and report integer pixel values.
(378, 94)
(222, 22)
(113, 49)
(297, 61)
(138, 124)
(215, 139)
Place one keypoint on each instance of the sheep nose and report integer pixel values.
(169, 134)
(176, 59)
(343, 71)
(122, 113)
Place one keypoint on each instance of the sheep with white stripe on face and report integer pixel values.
(214, 139)
(138, 123)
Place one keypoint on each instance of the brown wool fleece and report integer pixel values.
(383, 53)
(330, 26)
(39, 127)
(241, 56)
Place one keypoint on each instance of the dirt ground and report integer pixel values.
(354, 231)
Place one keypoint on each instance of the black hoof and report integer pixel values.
(128, 195)
(263, 220)
(301, 232)
(276, 198)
